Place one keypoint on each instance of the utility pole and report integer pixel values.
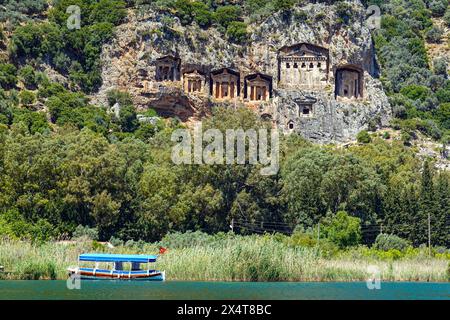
(232, 225)
(429, 233)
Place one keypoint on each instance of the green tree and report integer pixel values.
(28, 76)
(237, 31)
(27, 98)
(441, 223)
(427, 206)
(8, 75)
(342, 229)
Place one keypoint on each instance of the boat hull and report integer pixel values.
(142, 275)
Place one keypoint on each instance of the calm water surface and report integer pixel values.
(178, 290)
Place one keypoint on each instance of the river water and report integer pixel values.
(180, 290)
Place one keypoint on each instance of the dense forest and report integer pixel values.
(77, 164)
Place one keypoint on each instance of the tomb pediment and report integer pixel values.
(305, 100)
(303, 50)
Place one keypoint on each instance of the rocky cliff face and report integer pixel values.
(130, 64)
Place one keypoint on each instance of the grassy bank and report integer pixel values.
(236, 259)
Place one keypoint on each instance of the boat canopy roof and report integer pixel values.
(106, 257)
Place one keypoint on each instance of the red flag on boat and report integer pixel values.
(162, 250)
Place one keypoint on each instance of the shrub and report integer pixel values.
(283, 5)
(440, 67)
(121, 97)
(128, 119)
(344, 12)
(415, 92)
(225, 15)
(27, 98)
(388, 242)
(364, 137)
(8, 75)
(447, 18)
(28, 76)
(301, 239)
(342, 229)
(85, 232)
(301, 15)
(116, 242)
(37, 270)
(438, 7)
(434, 35)
(237, 31)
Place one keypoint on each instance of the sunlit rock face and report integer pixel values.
(312, 76)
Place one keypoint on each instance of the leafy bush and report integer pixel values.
(33, 121)
(52, 41)
(225, 15)
(27, 98)
(342, 229)
(128, 119)
(120, 97)
(440, 67)
(237, 31)
(364, 137)
(37, 270)
(283, 5)
(438, 7)
(8, 75)
(85, 232)
(344, 12)
(388, 242)
(434, 35)
(28, 76)
(447, 18)
(189, 11)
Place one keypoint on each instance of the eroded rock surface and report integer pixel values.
(315, 112)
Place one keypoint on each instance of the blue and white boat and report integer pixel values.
(116, 269)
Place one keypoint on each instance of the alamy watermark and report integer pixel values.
(374, 281)
(74, 282)
(74, 20)
(236, 146)
(374, 20)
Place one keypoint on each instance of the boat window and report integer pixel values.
(135, 266)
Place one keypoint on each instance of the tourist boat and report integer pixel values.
(116, 270)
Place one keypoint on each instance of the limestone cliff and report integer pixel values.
(129, 63)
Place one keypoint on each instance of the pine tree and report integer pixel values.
(427, 206)
(441, 228)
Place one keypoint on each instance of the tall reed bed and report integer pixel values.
(234, 259)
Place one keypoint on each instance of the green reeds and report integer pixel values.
(236, 259)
